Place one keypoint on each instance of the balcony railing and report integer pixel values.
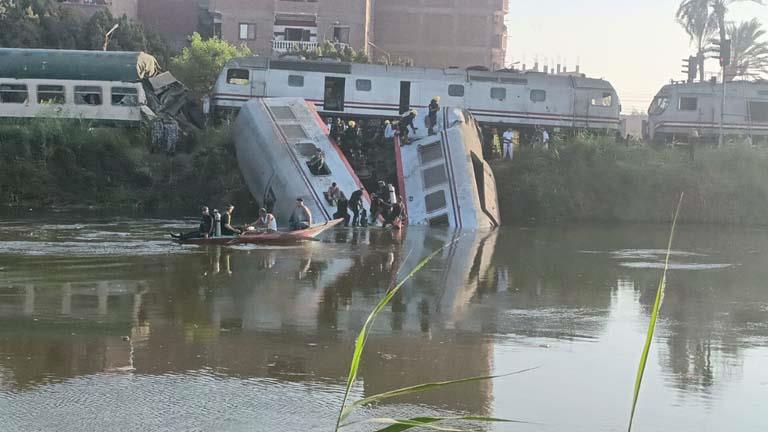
(282, 46)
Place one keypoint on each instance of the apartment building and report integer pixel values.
(118, 8)
(436, 33)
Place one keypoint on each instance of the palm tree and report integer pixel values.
(749, 52)
(694, 17)
(702, 18)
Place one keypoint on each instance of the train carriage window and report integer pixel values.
(435, 201)
(659, 105)
(434, 176)
(439, 221)
(456, 90)
(688, 103)
(13, 93)
(237, 76)
(88, 95)
(430, 153)
(605, 101)
(538, 95)
(125, 96)
(295, 81)
(498, 93)
(50, 94)
(758, 112)
(363, 85)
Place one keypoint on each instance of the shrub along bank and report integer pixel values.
(597, 179)
(59, 163)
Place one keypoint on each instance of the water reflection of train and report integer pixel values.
(364, 90)
(681, 110)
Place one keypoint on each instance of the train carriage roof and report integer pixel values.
(76, 65)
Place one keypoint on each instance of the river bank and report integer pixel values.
(49, 164)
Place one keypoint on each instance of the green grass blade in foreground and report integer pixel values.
(363, 336)
(654, 317)
(428, 387)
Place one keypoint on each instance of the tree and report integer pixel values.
(694, 17)
(749, 51)
(691, 15)
(199, 64)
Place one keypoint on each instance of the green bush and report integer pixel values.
(597, 179)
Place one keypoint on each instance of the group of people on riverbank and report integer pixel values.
(505, 145)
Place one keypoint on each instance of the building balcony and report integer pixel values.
(283, 46)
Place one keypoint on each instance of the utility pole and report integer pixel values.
(106, 36)
(725, 60)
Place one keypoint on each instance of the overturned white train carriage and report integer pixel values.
(444, 180)
(364, 90)
(276, 140)
(682, 110)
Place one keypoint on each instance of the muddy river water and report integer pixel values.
(107, 326)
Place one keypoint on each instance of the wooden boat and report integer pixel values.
(275, 238)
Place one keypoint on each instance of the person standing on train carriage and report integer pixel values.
(355, 204)
(407, 121)
(508, 139)
(351, 137)
(434, 108)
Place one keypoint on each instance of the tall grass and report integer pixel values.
(396, 425)
(654, 317)
(592, 178)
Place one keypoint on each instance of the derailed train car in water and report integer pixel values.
(683, 110)
(514, 98)
(276, 141)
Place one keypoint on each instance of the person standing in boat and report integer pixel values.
(434, 108)
(205, 230)
(301, 218)
(227, 229)
(265, 223)
(356, 205)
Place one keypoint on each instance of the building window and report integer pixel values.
(688, 103)
(538, 95)
(498, 93)
(295, 81)
(298, 34)
(605, 101)
(125, 96)
(341, 34)
(87, 95)
(237, 76)
(13, 93)
(51, 94)
(456, 90)
(247, 31)
(363, 85)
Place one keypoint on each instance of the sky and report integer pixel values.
(636, 45)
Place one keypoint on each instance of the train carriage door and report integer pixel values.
(333, 99)
(405, 96)
(258, 83)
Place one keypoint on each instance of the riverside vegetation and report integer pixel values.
(60, 163)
